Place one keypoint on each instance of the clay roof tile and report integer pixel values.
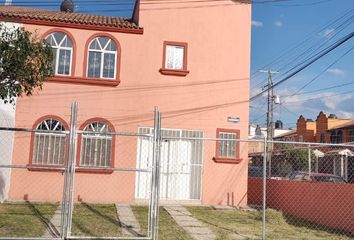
(9, 12)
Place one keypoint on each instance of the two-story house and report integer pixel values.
(192, 60)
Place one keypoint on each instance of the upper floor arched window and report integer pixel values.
(102, 58)
(62, 52)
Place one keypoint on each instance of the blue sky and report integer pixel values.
(308, 25)
(279, 28)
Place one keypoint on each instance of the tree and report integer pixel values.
(25, 63)
(299, 158)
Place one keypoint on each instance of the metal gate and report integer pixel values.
(73, 188)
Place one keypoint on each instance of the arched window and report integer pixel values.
(333, 136)
(102, 58)
(337, 136)
(62, 52)
(49, 143)
(322, 138)
(351, 136)
(96, 145)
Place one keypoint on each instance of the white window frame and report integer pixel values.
(233, 136)
(58, 47)
(102, 52)
(174, 53)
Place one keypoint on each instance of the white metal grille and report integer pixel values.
(227, 149)
(96, 147)
(49, 148)
(180, 163)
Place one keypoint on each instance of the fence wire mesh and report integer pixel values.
(97, 183)
(112, 200)
(31, 183)
(309, 189)
(63, 183)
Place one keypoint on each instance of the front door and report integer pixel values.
(180, 165)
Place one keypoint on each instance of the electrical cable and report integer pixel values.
(308, 37)
(304, 66)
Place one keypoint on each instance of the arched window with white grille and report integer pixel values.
(96, 145)
(102, 58)
(49, 143)
(62, 48)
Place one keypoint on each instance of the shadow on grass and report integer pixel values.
(49, 226)
(299, 222)
(116, 222)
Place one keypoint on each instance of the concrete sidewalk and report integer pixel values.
(130, 225)
(195, 228)
(54, 225)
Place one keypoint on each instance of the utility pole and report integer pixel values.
(270, 131)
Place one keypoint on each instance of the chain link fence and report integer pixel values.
(93, 182)
(61, 182)
(306, 187)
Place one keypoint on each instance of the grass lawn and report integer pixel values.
(248, 223)
(29, 220)
(25, 219)
(168, 228)
(98, 220)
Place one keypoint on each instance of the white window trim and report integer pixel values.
(232, 141)
(174, 63)
(57, 49)
(103, 51)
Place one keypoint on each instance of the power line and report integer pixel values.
(321, 97)
(301, 4)
(317, 57)
(308, 37)
(321, 89)
(323, 71)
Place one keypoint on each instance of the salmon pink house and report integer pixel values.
(189, 58)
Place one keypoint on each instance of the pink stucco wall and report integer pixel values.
(326, 204)
(218, 37)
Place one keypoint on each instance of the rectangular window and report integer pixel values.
(49, 149)
(174, 59)
(227, 146)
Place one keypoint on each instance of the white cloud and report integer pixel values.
(328, 33)
(257, 23)
(278, 23)
(344, 114)
(336, 72)
(333, 101)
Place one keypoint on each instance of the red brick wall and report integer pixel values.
(327, 204)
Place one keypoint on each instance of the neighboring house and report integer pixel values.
(327, 129)
(258, 133)
(192, 62)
